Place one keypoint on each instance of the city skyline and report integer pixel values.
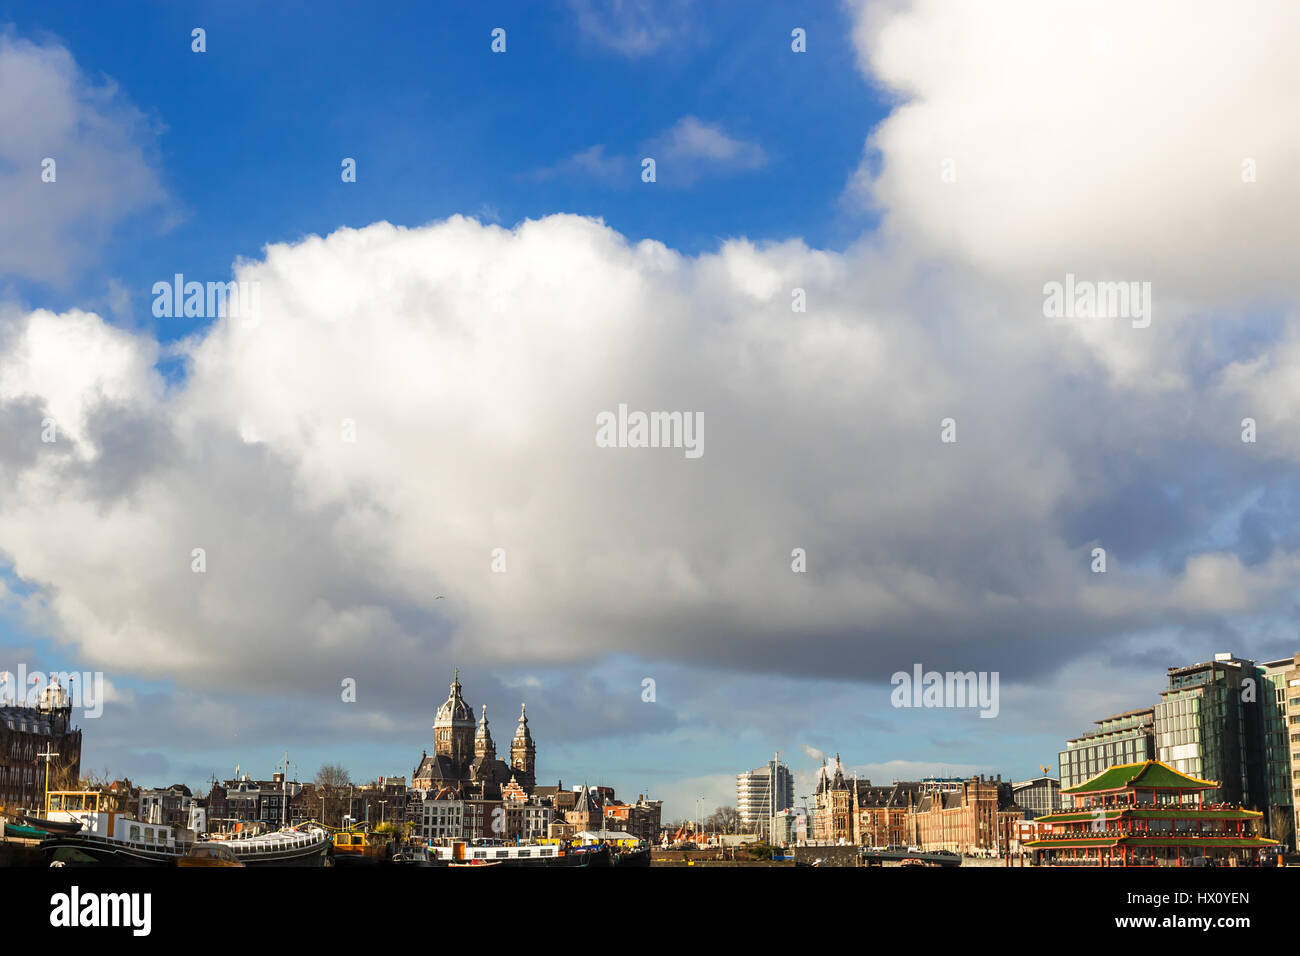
(804, 780)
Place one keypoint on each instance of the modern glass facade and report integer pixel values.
(1038, 796)
(1209, 725)
(1277, 748)
(1119, 739)
(1230, 720)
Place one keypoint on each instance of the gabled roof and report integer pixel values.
(1148, 773)
(875, 796)
(437, 767)
(587, 801)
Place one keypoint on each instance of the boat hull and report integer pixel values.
(308, 856)
(597, 856)
(52, 826)
(585, 856)
(81, 851)
(14, 853)
(632, 858)
(190, 864)
(74, 851)
(23, 832)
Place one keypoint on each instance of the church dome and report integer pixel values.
(454, 712)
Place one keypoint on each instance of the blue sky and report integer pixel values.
(822, 170)
(253, 131)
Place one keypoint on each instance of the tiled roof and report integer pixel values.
(1149, 773)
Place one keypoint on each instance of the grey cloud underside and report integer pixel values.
(822, 432)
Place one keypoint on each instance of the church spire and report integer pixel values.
(483, 746)
(523, 752)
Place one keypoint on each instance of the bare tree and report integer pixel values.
(1283, 825)
(723, 820)
(327, 798)
(332, 776)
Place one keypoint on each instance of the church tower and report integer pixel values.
(453, 727)
(483, 746)
(523, 753)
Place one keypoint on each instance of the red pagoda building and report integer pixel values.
(1148, 814)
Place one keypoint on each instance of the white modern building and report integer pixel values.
(442, 820)
(762, 793)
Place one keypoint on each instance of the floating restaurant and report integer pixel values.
(1148, 814)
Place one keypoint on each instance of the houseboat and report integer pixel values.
(361, 848)
(483, 852)
(114, 838)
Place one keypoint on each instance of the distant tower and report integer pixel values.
(483, 746)
(453, 728)
(56, 702)
(523, 754)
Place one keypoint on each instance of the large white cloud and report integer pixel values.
(1101, 137)
(472, 362)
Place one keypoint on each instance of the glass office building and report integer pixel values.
(1119, 739)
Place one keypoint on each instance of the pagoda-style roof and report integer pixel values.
(1149, 813)
(1148, 774)
(1113, 840)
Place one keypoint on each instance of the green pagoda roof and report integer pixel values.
(1186, 842)
(1162, 813)
(1149, 773)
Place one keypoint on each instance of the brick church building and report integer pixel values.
(464, 762)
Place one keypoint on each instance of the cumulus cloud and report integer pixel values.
(470, 363)
(102, 149)
(1092, 136)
